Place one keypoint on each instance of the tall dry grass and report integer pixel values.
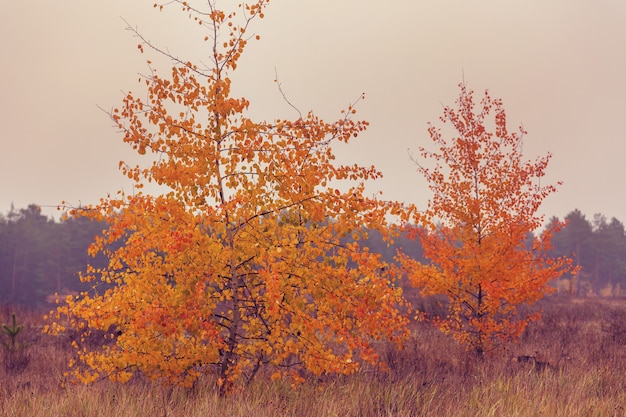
(572, 363)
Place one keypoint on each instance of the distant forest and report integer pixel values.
(40, 256)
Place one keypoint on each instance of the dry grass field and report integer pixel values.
(572, 363)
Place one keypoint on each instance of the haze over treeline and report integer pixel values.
(559, 67)
(40, 256)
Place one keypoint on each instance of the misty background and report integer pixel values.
(559, 67)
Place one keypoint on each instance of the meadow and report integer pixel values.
(571, 363)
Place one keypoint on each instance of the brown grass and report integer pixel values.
(581, 345)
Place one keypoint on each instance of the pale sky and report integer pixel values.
(559, 66)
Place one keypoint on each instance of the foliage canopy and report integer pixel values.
(243, 263)
(484, 206)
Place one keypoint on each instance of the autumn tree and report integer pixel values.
(251, 259)
(484, 203)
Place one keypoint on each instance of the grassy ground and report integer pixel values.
(573, 363)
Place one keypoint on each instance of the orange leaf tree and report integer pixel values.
(474, 232)
(251, 258)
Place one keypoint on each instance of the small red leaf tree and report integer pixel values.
(251, 259)
(484, 204)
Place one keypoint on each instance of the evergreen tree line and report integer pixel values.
(40, 256)
(598, 247)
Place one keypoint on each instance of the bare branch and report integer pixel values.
(280, 89)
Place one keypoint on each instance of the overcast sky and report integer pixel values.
(559, 66)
